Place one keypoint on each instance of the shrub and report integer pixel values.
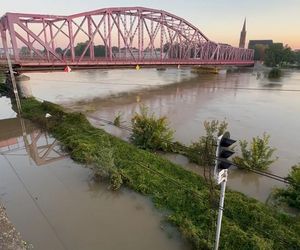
(118, 119)
(291, 195)
(203, 151)
(258, 155)
(274, 73)
(150, 132)
(4, 89)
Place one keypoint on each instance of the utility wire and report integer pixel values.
(35, 202)
(188, 149)
(187, 189)
(259, 172)
(152, 85)
(176, 182)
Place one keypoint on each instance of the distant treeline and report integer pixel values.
(276, 55)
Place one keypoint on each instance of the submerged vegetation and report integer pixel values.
(258, 155)
(275, 73)
(118, 119)
(4, 89)
(151, 132)
(247, 223)
(291, 195)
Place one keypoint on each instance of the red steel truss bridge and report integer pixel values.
(112, 37)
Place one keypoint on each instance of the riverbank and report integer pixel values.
(183, 194)
(10, 239)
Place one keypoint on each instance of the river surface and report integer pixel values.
(56, 205)
(246, 99)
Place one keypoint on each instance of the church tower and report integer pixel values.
(243, 36)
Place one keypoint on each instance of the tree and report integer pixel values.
(288, 55)
(203, 151)
(297, 57)
(59, 51)
(25, 51)
(258, 155)
(79, 49)
(277, 54)
(99, 51)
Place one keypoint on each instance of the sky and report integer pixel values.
(220, 20)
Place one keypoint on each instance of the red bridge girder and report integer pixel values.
(113, 36)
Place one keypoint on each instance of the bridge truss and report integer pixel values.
(113, 36)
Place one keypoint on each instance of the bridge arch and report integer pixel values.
(124, 35)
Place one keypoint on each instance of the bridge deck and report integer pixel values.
(115, 63)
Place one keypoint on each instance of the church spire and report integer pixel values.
(244, 26)
(243, 36)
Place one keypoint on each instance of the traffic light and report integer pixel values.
(223, 152)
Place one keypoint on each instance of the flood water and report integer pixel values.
(56, 204)
(247, 100)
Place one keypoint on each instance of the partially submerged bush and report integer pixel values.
(118, 119)
(4, 89)
(203, 151)
(150, 132)
(291, 195)
(258, 155)
(275, 73)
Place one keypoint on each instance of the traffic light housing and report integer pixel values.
(223, 151)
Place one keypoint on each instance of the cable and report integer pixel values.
(35, 202)
(262, 173)
(118, 84)
(212, 190)
(110, 123)
(245, 88)
(189, 190)
(265, 174)
(174, 181)
(151, 85)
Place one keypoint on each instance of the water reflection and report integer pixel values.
(42, 148)
(60, 206)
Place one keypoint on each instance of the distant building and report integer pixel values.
(253, 43)
(259, 47)
(243, 36)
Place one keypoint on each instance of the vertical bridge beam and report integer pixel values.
(91, 36)
(10, 23)
(71, 40)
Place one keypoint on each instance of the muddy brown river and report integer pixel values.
(60, 199)
(250, 102)
(55, 203)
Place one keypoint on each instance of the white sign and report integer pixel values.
(222, 176)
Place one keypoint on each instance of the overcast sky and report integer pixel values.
(219, 20)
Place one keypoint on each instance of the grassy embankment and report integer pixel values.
(247, 223)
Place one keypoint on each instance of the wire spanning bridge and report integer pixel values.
(112, 36)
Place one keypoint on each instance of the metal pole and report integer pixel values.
(12, 76)
(221, 206)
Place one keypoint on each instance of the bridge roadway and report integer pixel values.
(27, 65)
